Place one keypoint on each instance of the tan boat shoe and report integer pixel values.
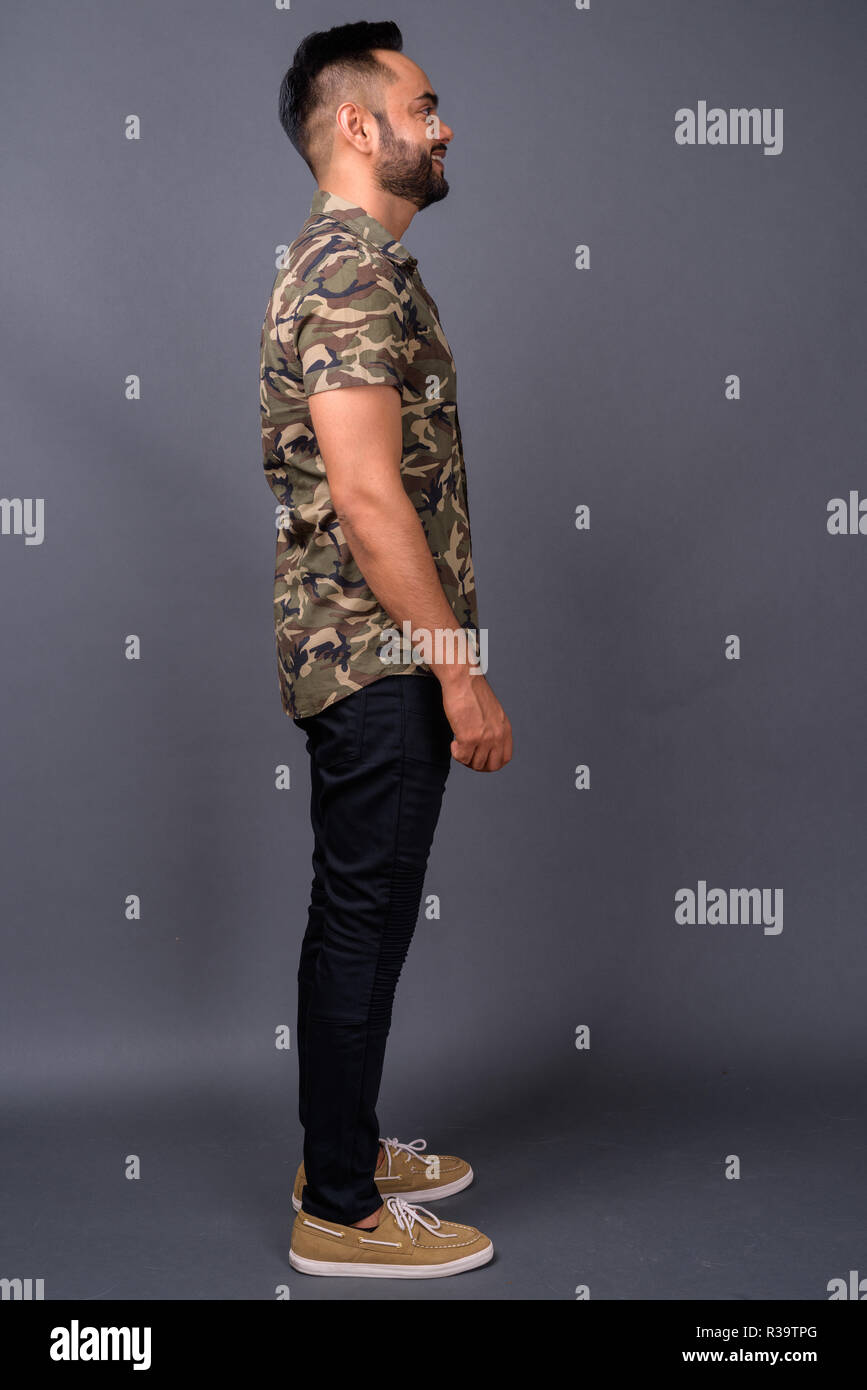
(409, 1243)
(410, 1173)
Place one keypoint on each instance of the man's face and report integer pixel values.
(412, 144)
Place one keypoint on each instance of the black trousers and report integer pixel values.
(379, 759)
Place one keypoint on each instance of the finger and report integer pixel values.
(461, 752)
(500, 754)
(481, 755)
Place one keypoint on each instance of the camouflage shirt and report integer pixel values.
(347, 307)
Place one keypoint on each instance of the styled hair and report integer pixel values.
(329, 67)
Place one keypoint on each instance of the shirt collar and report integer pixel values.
(331, 205)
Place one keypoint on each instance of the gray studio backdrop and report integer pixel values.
(693, 378)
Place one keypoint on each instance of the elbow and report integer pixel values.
(362, 511)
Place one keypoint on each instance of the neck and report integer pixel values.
(394, 213)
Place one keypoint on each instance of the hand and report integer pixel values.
(482, 732)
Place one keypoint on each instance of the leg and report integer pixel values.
(312, 941)
(380, 759)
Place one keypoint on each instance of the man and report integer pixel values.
(362, 448)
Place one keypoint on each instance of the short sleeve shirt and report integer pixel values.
(348, 307)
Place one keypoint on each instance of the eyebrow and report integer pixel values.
(428, 96)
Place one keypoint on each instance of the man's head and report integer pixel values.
(352, 104)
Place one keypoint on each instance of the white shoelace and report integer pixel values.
(406, 1216)
(394, 1146)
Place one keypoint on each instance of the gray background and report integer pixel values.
(604, 387)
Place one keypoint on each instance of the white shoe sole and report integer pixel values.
(423, 1194)
(364, 1271)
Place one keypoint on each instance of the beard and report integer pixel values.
(407, 171)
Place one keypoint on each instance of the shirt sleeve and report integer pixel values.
(349, 331)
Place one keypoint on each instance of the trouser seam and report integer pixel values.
(387, 913)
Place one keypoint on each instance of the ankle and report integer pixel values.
(368, 1223)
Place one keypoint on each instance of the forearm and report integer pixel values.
(389, 545)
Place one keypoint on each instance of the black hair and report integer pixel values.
(341, 54)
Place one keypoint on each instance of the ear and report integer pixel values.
(356, 124)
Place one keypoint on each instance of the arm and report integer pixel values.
(359, 434)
